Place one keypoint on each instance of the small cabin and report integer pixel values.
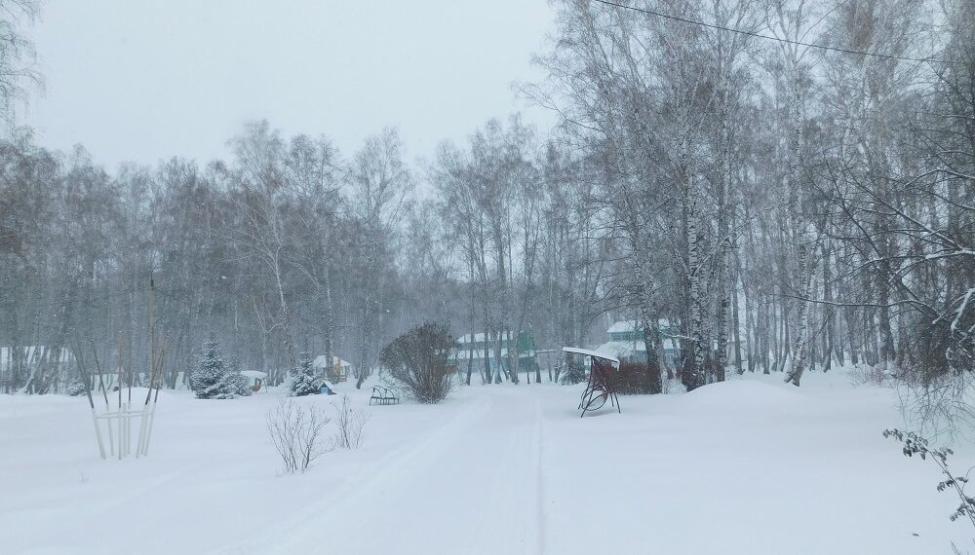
(335, 371)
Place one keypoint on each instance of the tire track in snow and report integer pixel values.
(507, 489)
(471, 487)
(367, 481)
(539, 478)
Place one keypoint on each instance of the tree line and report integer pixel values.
(788, 183)
(805, 195)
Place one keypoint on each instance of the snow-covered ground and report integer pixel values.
(746, 467)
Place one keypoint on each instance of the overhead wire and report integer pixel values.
(686, 20)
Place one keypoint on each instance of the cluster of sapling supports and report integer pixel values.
(116, 422)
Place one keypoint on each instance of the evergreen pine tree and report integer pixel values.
(574, 373)
(214, 379)
(75, 388)
(236, 381)
(303, 378)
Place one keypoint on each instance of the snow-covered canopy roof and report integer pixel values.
(320, 362)
(253, 374)
(587, 352)
(624, 326)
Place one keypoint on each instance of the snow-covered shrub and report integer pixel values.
(388, 382)
(666, 385)
(574, 372)
(237, 383)
(863, 374)
(296, 432)
(212, 378)
(75, 388)
(351, 422)
(942, 407)
(303, 379)
(418, 359)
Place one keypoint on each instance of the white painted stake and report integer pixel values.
(111, 437)
(150, 420)
(121, 428)
(147, 430)
(128, 430)
(98, 434)
(142, 432)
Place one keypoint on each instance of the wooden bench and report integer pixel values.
(383, 396)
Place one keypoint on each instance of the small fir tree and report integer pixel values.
(76, 387)
(304, 380)
(574, 373)
(237, 381)
(212, 378)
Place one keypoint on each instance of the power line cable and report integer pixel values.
(688, 21)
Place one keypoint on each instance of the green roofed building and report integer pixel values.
(479, 349)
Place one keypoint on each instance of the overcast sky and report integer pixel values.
(142, 80)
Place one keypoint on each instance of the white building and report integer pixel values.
(626, 342)
(474, 348)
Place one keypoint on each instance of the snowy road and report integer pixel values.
(473, 485)
(747, 467)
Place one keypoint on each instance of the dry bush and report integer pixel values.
(351, 422)
(940, 408)
(418, 359)
(296, 432)
(632, 378)
(864, 374)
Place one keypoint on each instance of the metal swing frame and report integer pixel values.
(600, 387)
(383, 396)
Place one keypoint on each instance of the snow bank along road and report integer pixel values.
(749, 466)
